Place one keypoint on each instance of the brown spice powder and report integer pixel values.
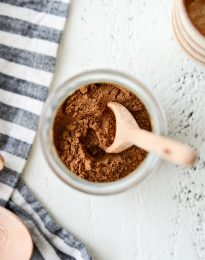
(84, 126)
(196, 11)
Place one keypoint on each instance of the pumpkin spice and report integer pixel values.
(84, 127)
(196, 11)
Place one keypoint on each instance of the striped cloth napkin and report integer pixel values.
(30, 32)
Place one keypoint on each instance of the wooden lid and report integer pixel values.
(15, 240)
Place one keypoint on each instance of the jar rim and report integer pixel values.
(58, 96)
(189, 27)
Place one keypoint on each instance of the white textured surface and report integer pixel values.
(164, 218)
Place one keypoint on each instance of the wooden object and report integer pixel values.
(15, 240)
(188, 36)
(1, 162)
(128, 133)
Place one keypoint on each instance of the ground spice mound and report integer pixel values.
(196, 11)
(84, 126)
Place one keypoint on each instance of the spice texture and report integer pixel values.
(196, 10)
(84, 127)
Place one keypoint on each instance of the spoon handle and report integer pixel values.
(168, 149)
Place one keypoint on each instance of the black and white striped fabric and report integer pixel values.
(30, 32)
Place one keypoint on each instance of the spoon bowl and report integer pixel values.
(124, 122)
(128, 134)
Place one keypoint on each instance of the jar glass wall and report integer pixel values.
(58, 96)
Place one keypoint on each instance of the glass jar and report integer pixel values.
(58, 96)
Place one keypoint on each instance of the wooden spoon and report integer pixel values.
(128, 133)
